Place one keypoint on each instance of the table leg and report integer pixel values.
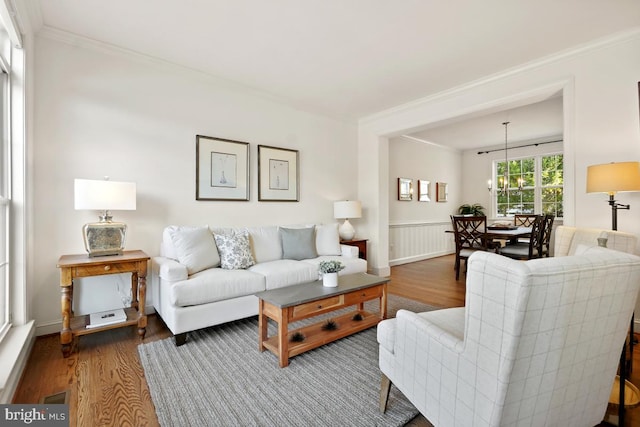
(383, 302)
(262, 326)
(142, 293)
(134, 290)
(66, 302)
(283, 339)
(66, 335)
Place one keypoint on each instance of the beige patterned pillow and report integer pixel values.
(235, 251)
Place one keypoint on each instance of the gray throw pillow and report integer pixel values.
(298, 243)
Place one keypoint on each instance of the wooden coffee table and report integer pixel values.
(293, 303)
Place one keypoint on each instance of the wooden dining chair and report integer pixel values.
(524, 220)
(546, 234)
(469, 232)
(532, 248)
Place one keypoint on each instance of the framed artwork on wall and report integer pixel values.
(423, 191)
(278, 174)
(222, 169)
(405, 189)
(442, 192)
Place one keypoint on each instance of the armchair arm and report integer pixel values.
(445, 327)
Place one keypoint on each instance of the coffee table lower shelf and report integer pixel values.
(315, 336)
(288, 305)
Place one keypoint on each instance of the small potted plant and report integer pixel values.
(476, 209)
(329, 271)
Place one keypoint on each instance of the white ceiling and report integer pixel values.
(345, 58)
(541, 121)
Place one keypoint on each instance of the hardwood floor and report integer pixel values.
(106, 382)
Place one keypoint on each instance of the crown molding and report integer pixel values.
(29, 15)
(76, 40)
(601, 43)
(424, 141)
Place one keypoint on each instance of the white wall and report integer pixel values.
(101, 112)
(416, 160)
(599, 85)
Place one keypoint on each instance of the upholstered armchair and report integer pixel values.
(538, 342)
(568, 239)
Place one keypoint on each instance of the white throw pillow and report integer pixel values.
(195, 248)
(235, 251)
(327, 239)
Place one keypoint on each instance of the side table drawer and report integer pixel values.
(363, 295)
(97, 270)
(304, 310)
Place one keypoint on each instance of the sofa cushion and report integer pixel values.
(235, 251)
(327, 239)
(215, 284)
(266, 244)
(195, 248)
(298, 243)
(285, 272)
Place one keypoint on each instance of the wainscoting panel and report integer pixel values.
(409, 242)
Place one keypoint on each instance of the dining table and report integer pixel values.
(507, 233)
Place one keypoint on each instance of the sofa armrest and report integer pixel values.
(349, 251)
(170, 270)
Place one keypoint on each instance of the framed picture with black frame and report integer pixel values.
(222, 169)
(278, 174)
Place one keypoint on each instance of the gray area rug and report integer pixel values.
(219, 378)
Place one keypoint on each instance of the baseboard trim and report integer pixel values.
(407, 260)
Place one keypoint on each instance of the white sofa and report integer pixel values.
(205, 277)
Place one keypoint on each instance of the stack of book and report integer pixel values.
(108, 317)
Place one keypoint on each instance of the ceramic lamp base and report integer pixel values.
(346, 231)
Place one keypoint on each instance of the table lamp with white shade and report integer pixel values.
(105, 237)
(346, 209)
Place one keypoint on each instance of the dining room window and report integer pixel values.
(535, 185)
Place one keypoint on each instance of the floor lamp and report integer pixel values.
(612, 178)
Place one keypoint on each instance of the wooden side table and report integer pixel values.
(361, 244)
(74, 266)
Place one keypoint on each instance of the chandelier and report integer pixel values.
(503, 181)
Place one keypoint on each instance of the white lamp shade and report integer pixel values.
(104, 195)
(347, 209)
(613, 177)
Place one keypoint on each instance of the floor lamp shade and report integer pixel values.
(105, 237)
(346, 209)
(612, 178)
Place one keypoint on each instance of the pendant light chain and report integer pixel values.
(505, 183)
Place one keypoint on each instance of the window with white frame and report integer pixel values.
(534, 185)
(5, 203)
